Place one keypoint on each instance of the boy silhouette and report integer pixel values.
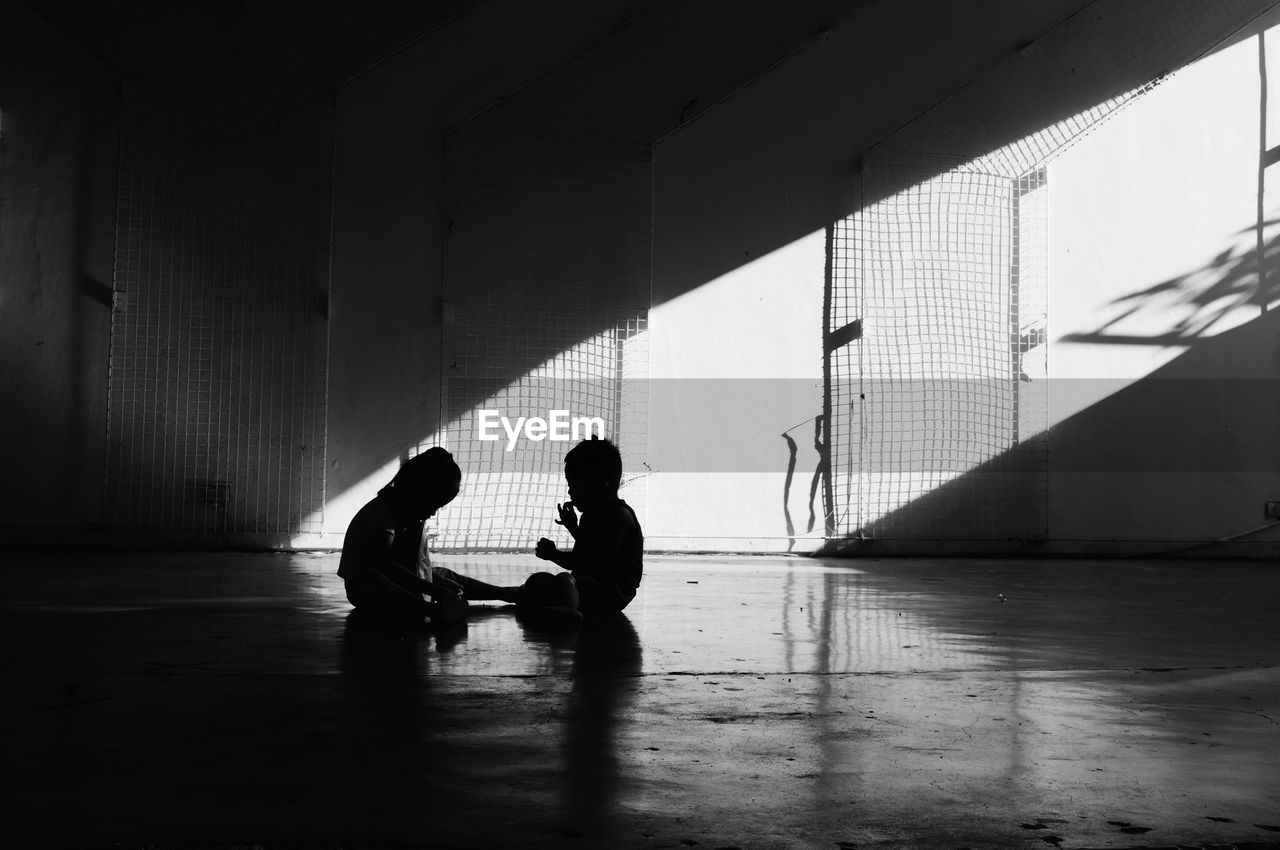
(606, 562)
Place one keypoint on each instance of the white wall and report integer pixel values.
(1153, 445)
(742, 197)
(750, 341)
(1165, 192)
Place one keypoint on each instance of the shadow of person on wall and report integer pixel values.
(820, 473)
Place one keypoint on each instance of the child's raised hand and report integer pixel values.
(546, 549)
(568, 518)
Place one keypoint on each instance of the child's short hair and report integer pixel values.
(433, 469)
(596, 458)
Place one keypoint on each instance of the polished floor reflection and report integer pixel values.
(235, 699)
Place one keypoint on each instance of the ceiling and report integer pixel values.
(627, 68)
(252, 45)
(656, 65)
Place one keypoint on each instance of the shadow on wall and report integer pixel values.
(780, 137)
(766, 166)
(817, 505)
(801, 145)
(560, 232)
(1164, 458)
(218, 343)
(1204, 298)
(58, 168)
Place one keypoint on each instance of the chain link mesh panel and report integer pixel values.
(547, 285)
(947, 280)
(219, 335)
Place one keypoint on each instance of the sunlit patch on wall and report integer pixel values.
(938, 404)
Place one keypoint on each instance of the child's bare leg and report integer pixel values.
(569, 588)
(475, 589)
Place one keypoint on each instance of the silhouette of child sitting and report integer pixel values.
(606, 562)
(383, 561)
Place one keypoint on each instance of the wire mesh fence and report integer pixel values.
(938, 405)
(936, 360)
(219, 339)
(547, 283)
(943, 278)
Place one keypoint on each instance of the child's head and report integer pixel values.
(424, 483)
(593, 469)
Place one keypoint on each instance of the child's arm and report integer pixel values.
(547, 551)
(594, 547)
(403, 576)
(409, 575)
(376, 542)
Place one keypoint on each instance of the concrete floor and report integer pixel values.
(233, 699)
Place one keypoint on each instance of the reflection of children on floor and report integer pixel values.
(606, 562)
(383, 561)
